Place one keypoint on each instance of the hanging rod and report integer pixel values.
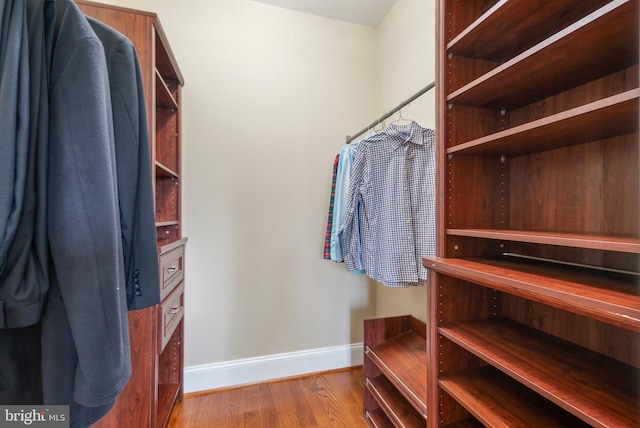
(418, 94)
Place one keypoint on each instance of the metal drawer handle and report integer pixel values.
(172, 269)
(174, 310)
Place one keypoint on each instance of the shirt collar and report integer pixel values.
(400, 134)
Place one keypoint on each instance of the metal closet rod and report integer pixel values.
(418, 94)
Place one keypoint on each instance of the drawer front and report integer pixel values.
(171, 313)
(172, 271)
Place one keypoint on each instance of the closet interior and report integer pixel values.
(533, 299)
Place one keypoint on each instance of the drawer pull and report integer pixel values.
(172, 269)
(174, 310)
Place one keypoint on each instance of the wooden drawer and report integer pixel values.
(172, 271)
(171, 313)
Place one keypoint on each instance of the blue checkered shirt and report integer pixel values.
(393, 187)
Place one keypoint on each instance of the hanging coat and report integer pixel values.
(133, 163)
(85, 337)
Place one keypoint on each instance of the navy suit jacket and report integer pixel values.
(85, 332)
(133, 162)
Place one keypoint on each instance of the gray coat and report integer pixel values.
(133, 162)
(85, 336)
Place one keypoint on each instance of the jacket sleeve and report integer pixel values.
(133, 161)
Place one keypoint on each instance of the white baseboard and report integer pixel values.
(258, 369)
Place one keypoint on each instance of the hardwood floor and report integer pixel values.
(327, 399)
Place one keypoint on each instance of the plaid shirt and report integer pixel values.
(393, 185)
(327, 235)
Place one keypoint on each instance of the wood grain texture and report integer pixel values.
(600, 391)
(327, 399)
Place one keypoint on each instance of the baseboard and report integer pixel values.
(259, 369)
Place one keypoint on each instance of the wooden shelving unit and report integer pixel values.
(534, 296)
(395, 368)
(533, 311)
(157, 332)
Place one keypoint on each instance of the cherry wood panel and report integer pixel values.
(562, 190)
(512, 26)
(167, 199)
(561, 61)
(500, 402)
(139, 393)
(598, 390)
(481, 197)
(167, 131)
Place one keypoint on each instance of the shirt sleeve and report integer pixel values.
(351, 236)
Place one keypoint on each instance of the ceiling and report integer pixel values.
(363, 12)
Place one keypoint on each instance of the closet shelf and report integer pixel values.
(164, 171)
(164, 97)
(167, 395)
(605, 118)
(377, 419)
(561, 61)
(623, 244)
(512, 26)
(403, 360)
(611, 298)
(167, 223)
(599, 390)
(394, 404)
(498, 400)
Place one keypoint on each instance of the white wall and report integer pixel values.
(270, 95)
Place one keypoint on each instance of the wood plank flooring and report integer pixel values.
(327, 399)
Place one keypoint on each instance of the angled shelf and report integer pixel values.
(605, 395)
(377, 419)
(498, 400)
(613, 298)
(395, 370)
(163, 93)
(402, 359)
(560, 61)
(163, 171)
(601, 119)
(511, 26)
(394, 404)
